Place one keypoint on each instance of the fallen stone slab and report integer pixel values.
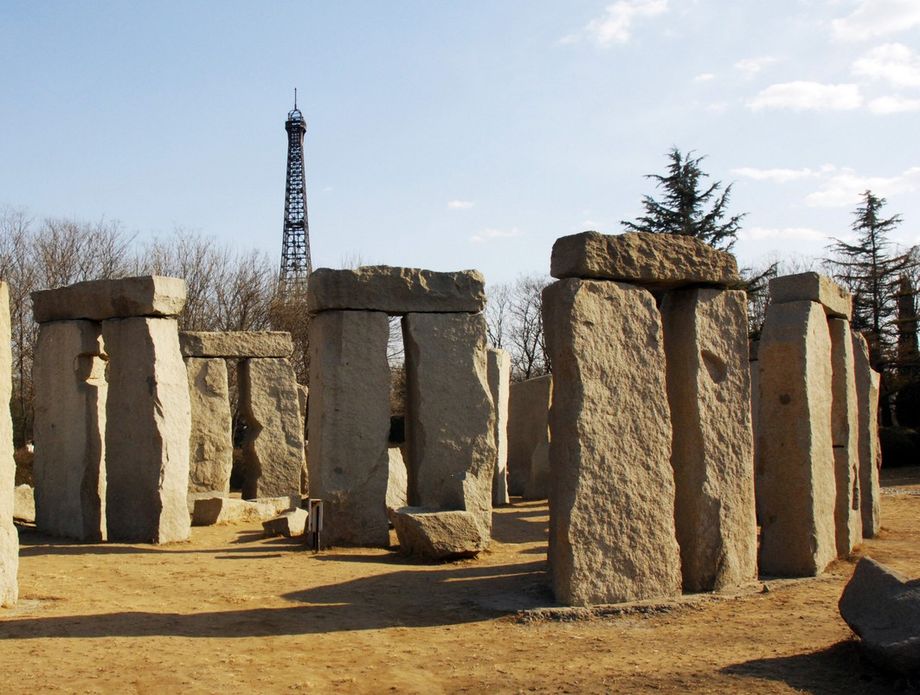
(279, 504)
(813, 287)
(396, 290)
(437, 535)
(97, 300)
(657, 261)
(235, 344)
(883, 608)
(290, 524)
(210, 511)
(24, 504)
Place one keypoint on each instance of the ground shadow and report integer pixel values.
(519, 526)
(902, 475)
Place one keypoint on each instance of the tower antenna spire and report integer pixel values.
(295, 98)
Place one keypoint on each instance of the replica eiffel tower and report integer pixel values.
(296, 264)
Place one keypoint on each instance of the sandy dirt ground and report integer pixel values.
(233, 612)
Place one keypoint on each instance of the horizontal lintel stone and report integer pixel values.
(98, 300)
(236, 344)
(813, 287)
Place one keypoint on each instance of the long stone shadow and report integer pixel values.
(519, 526)
(406, 598)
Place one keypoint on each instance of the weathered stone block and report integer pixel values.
(659, 261)
(24, 504)
(148, 423)
(70, 401)
(211, 443)
(398, 481)
(437, 535)
(97, 300)
(867, 390)
(236, 344)
(795, 476)
(528, 427)
(709, 391)
(350, 424)
(449, 415)
(611, 531)
(395, 290)
(210, 511)
(303, 397)
(813, 287)
(499, 387)
(290, 524)
(9, 536)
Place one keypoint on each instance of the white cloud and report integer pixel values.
(893, 62)
(874, 18)
(490, 234)
(845, 186)
(459, 204)
(775, 175)
(704, 77)
(893, 104)
(807, 96)
(786, 233)
(751, 66)
(616, 24)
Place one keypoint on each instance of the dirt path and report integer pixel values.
(232, 612)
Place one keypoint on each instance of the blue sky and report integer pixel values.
(453, 135)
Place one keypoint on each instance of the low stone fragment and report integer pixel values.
(883, 609)
(538, 486)
(211, 511)
(24, 504)
(396, 290)
(97, 300)
(656, 261)
(9, 536)
(437, 535)
(499, 386)
(280, 504)
(528, 427)
(236, 344)
(813, 287)
(398, 481)
(290, 524)
(211, 441)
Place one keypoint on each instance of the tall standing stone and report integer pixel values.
(867, 388)
(9, 537)
(709, 391)
(528, 428)
(795, 466)
(211, 443)
(68, 375)
(349, 424)
(499, 386)
(611, 535)
(147, 431)
(845, 433)
(449, 415)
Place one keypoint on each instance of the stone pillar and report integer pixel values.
(845, 437)
(70, 399)
(499, 387)
(611, 535)
(712, 453)
(795, 477)
(211, 443)
(528, 428)
(147, 431)
(754, 366)
(9, 536)
(350, 424)
(303, 395)
(867, 388)
(449, 415)
(273, 452)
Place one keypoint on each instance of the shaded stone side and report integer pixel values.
(273, 450)
(9, 537)
(236, 344)
(68, 376)
(350, 424)
(867, 391)
(148, 423)
(795, 476)
(211, 443)
(709, 392)
(611, 501)
(528, 427)
(845, 437)
(499, 387)
(450, 429)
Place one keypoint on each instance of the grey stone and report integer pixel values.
(350, 425)
(210, 511)
(290, 524)
(437, 535)
(236, 344)
(211, 443)
(611, 530)
(148, 423)
(273, 451)
(24, 504)
(395, 290)
(813, 287)
(499, 387)
(398, 481)
(9, 536)
(659, 261)
(528, 427)
(449, 415)
(97, 300)
(795, 476)
(709, 392)
(867, 390)
(70, 386)
(538, 486)
(883, 608)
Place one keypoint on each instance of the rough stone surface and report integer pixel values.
(867, 390)
(9, 536)
(712, 453)
(537, 487)
(211, 443)
(148, 423)
(396, 290)
(280, 504)
(813, 287)
(303, 398)
(68, 472)
(499, 387)
(437, 535)
(660, 261)
(97, 300)
(528, 427)
(290, 524)
(611, 530)
(236, 344)
(350, 425)
(273, 451)
(845, 437)
(24, 504)
(211, 511)
(883, 608)
(398, 481)
(795, 476)
(450, 425)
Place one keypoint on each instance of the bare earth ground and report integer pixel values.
(232, 612)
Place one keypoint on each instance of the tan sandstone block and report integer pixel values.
(867, 390)
(211, 443)
(398, 480)
(236, 344)
(813, 287)
(437, 535)
(528, 427)
(9, 536)
(499, 387)
(97, 300)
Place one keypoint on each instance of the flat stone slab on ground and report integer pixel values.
(24, 504)
(235, 344)
(210, 511)
(437, 535)
(97, 300)
(813, 287)
(396, 290)
(290, 524)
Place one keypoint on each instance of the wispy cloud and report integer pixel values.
(874, 18)
(492, 234)
(460, 204)
(704, 77)
(616, 24)
(751, 66)
(787, 233)
(807, 96)
(893, 104)
(894, 63)
(778, 175)
(845, 186)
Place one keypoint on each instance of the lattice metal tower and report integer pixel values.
(296, 264)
